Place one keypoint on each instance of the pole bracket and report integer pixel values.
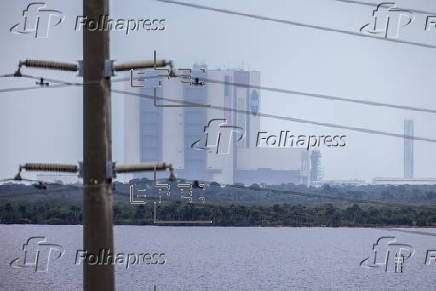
(108, 68)
(110, 170)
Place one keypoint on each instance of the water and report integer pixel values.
(226, 258)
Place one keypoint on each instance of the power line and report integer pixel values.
(322, 96)
(325, 197)
(61, 84)
(47, 191)
(292, 119)
(297, 120)
(292, 193)
(301, 194)
(293, 23)
(391, 204)
(332, 197)
(6, 75)
(271, 89)
(5, 90)
(56, 191)
(40, 192)
(88, 82)
(79, 187)
(58, 81)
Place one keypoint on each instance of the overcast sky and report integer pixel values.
(46, 124)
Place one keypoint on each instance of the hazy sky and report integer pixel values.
(46, 124)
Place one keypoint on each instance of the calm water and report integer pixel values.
(218, 258)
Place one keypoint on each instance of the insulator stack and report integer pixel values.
(50, 167)
(49, 65)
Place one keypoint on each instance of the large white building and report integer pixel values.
(167, 133)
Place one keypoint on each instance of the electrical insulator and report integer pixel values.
(142, 167)
(50, 167)
(140, 65)
(49, 65)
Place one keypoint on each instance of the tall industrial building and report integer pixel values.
(408, 149)
(169, 133)
(315, 171)
(408, 160)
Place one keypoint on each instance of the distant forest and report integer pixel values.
(235, 205)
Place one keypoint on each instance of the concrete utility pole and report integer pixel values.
(97, 170)
(97, 150)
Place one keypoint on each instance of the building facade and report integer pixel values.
(214, 143)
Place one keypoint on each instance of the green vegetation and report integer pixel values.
(60, 212)
(235, 205)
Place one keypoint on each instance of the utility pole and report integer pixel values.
(97, 169)
(97, 150)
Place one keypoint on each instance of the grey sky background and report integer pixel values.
(46, 124)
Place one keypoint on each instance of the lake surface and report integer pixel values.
(227, 258)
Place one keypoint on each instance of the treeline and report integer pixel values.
(64, 212)
(238, 194)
